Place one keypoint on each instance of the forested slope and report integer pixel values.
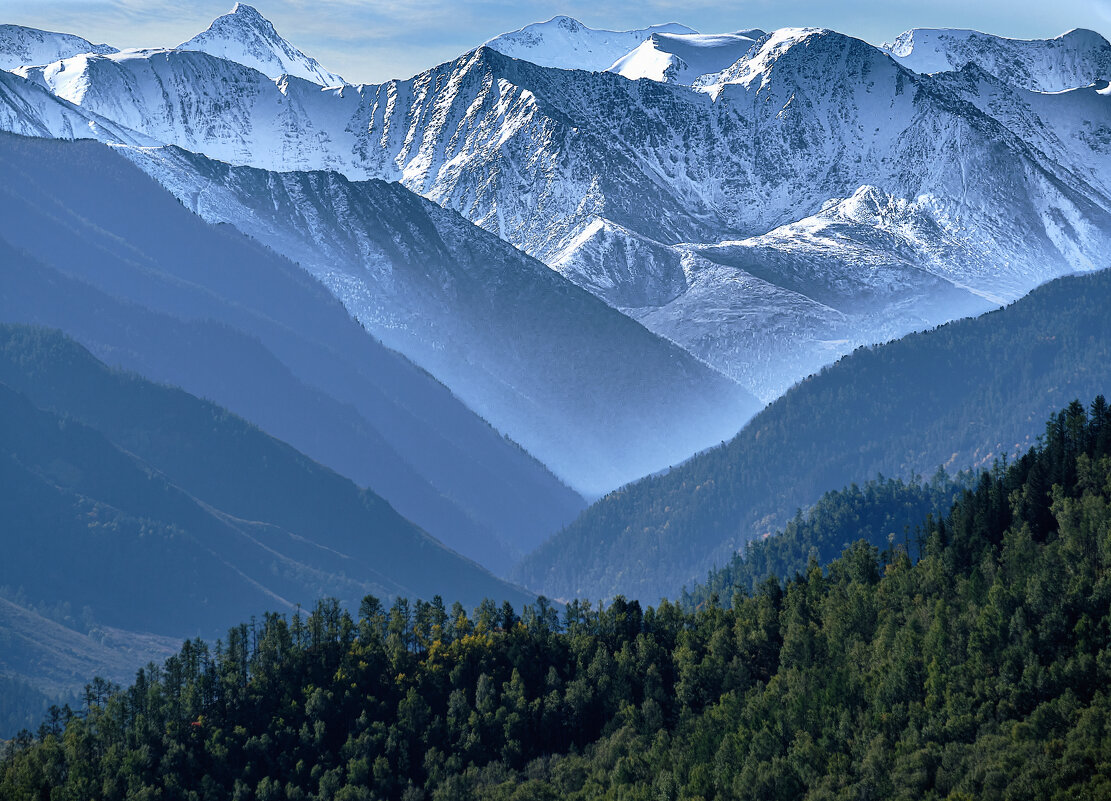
(958, 396)
(165, 513)
(979, 671)
(885, 513)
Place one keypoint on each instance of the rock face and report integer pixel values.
(246, 37)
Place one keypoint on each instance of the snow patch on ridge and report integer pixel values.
(565, 43)
(682, 58)
(20, 46)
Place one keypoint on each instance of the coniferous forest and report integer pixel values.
(970, 661)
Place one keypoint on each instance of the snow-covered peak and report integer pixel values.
(565, 43)
(683, 57)
(20, 46)
(810, 56)
(1077, 58)
(248, 38)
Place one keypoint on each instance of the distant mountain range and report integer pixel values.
(612, 246)
(768, 201)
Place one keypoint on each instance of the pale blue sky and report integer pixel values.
(373, 40)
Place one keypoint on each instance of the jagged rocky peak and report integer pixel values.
(1077, 58)
(20, 46)
(565, 43)
(245, 36)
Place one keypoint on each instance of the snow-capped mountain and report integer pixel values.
(616, 183)
(1074, 59)
(20, 46)
(769, 308)
(525, 348)
(491, 323)
(812, 194)
(248, 38)
(684, 57)
(197, 101)
(565, 43)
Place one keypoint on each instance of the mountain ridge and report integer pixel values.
(281, 527)
(20, 46)
(264, 338)
(576, 167)
(958, 396)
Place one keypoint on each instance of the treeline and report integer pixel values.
(981, 670)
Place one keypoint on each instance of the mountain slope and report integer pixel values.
(581, 170)
(113, 259)
(45, 659)
(566, 44)
(978, 671)
(493, 324)
(961, 395)
(248, 38)
(21, 46)
(165, 513)
(1074, 59)
(1072, 127)
(29, 109)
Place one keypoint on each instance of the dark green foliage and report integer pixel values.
(884, 513)
(981, 671)
(959, 396)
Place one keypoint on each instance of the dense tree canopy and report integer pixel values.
(979, 667)
(883, 512)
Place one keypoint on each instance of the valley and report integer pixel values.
(644, 413)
